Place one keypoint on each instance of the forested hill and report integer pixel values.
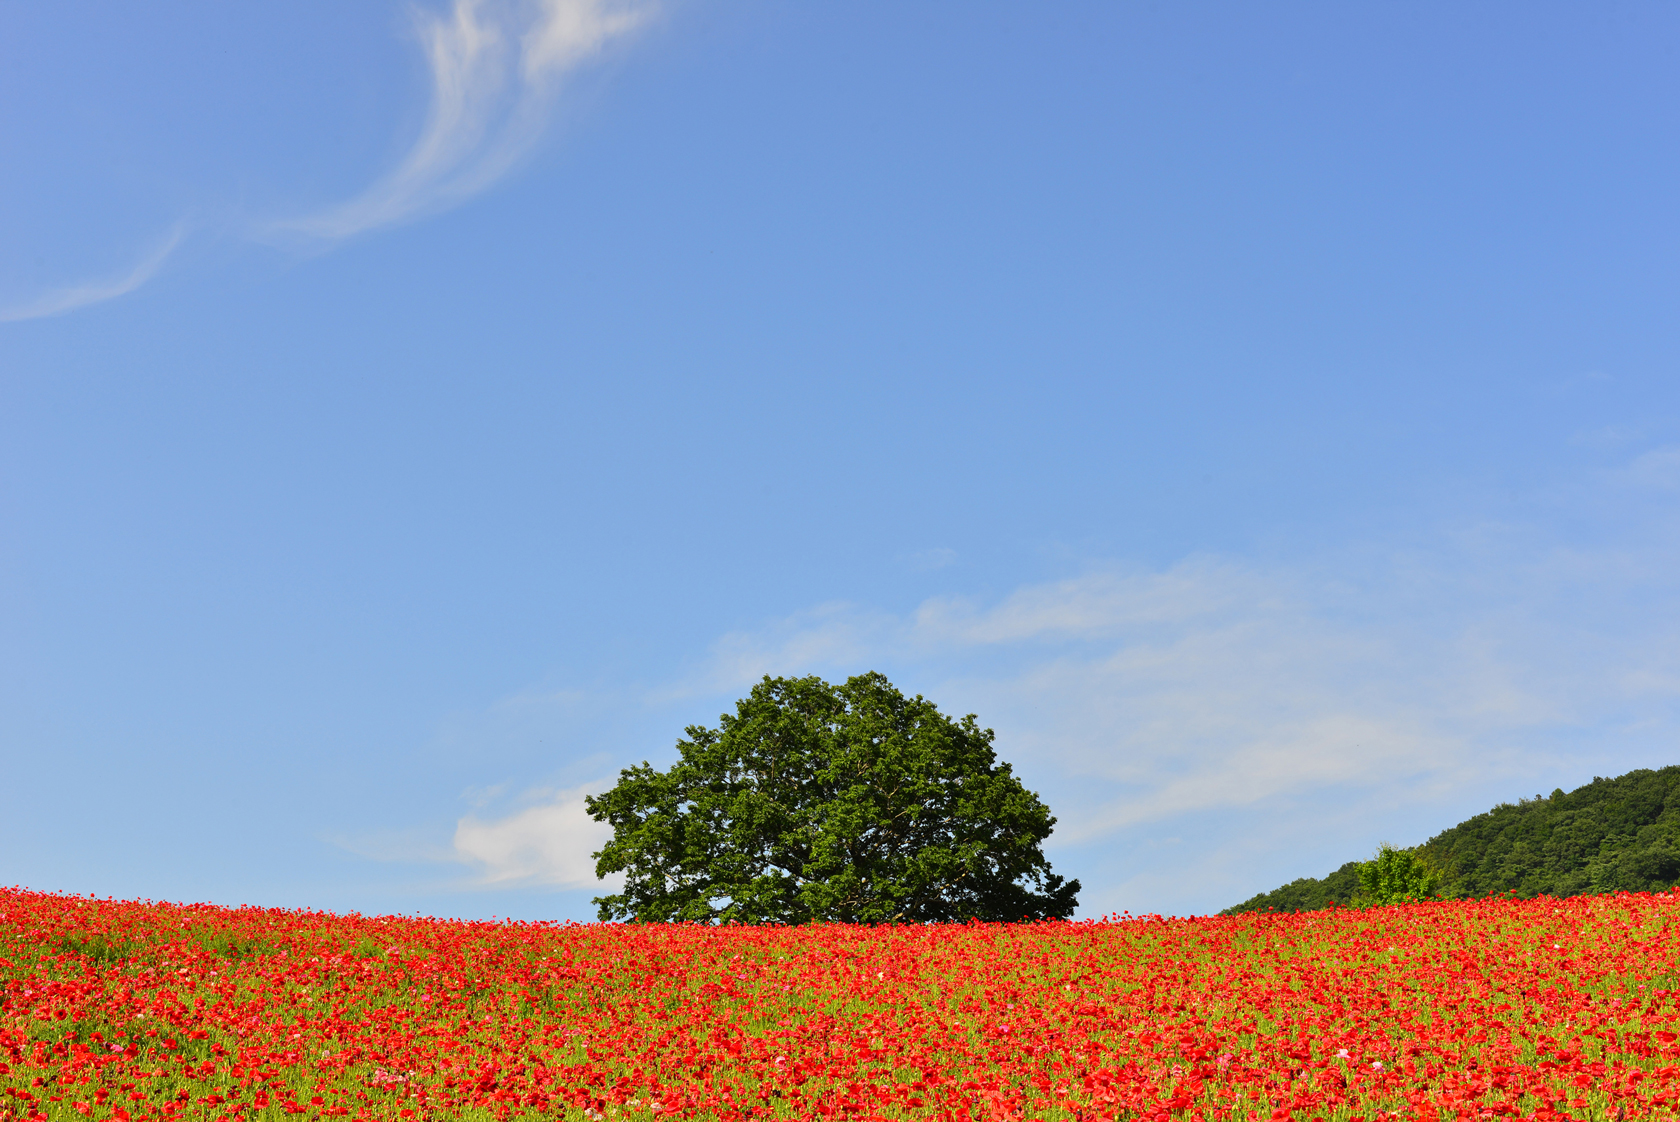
(1621, 833)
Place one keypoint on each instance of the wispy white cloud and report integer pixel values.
(495, 70)
(61, 300)
(1214, 685)
(834, 634)
(1223, 715)
(1205, 685)
(1097, 604)
(547, 844)
(1660, 468)
(415, 844)
(928, 560)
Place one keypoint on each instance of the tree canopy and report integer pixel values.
(1609, 835)
(1397, 876)
(815, 802)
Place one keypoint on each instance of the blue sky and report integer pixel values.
(1264, 417)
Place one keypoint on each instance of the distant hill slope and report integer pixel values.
(1621, 833)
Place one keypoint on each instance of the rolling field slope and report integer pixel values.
(1540, 1008)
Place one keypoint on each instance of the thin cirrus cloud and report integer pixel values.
(1222, 685)
(496, 66)
(1206, 684)
(62, 300)
(1099, 605)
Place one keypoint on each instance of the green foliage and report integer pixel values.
(1306, 894)
(233, 946)
(99, 948)
(1610, 835)
(814, 802)
(1397, 876)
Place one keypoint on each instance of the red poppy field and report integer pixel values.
(1539, 1008)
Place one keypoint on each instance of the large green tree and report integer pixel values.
(1397, 876)
(815, 802)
